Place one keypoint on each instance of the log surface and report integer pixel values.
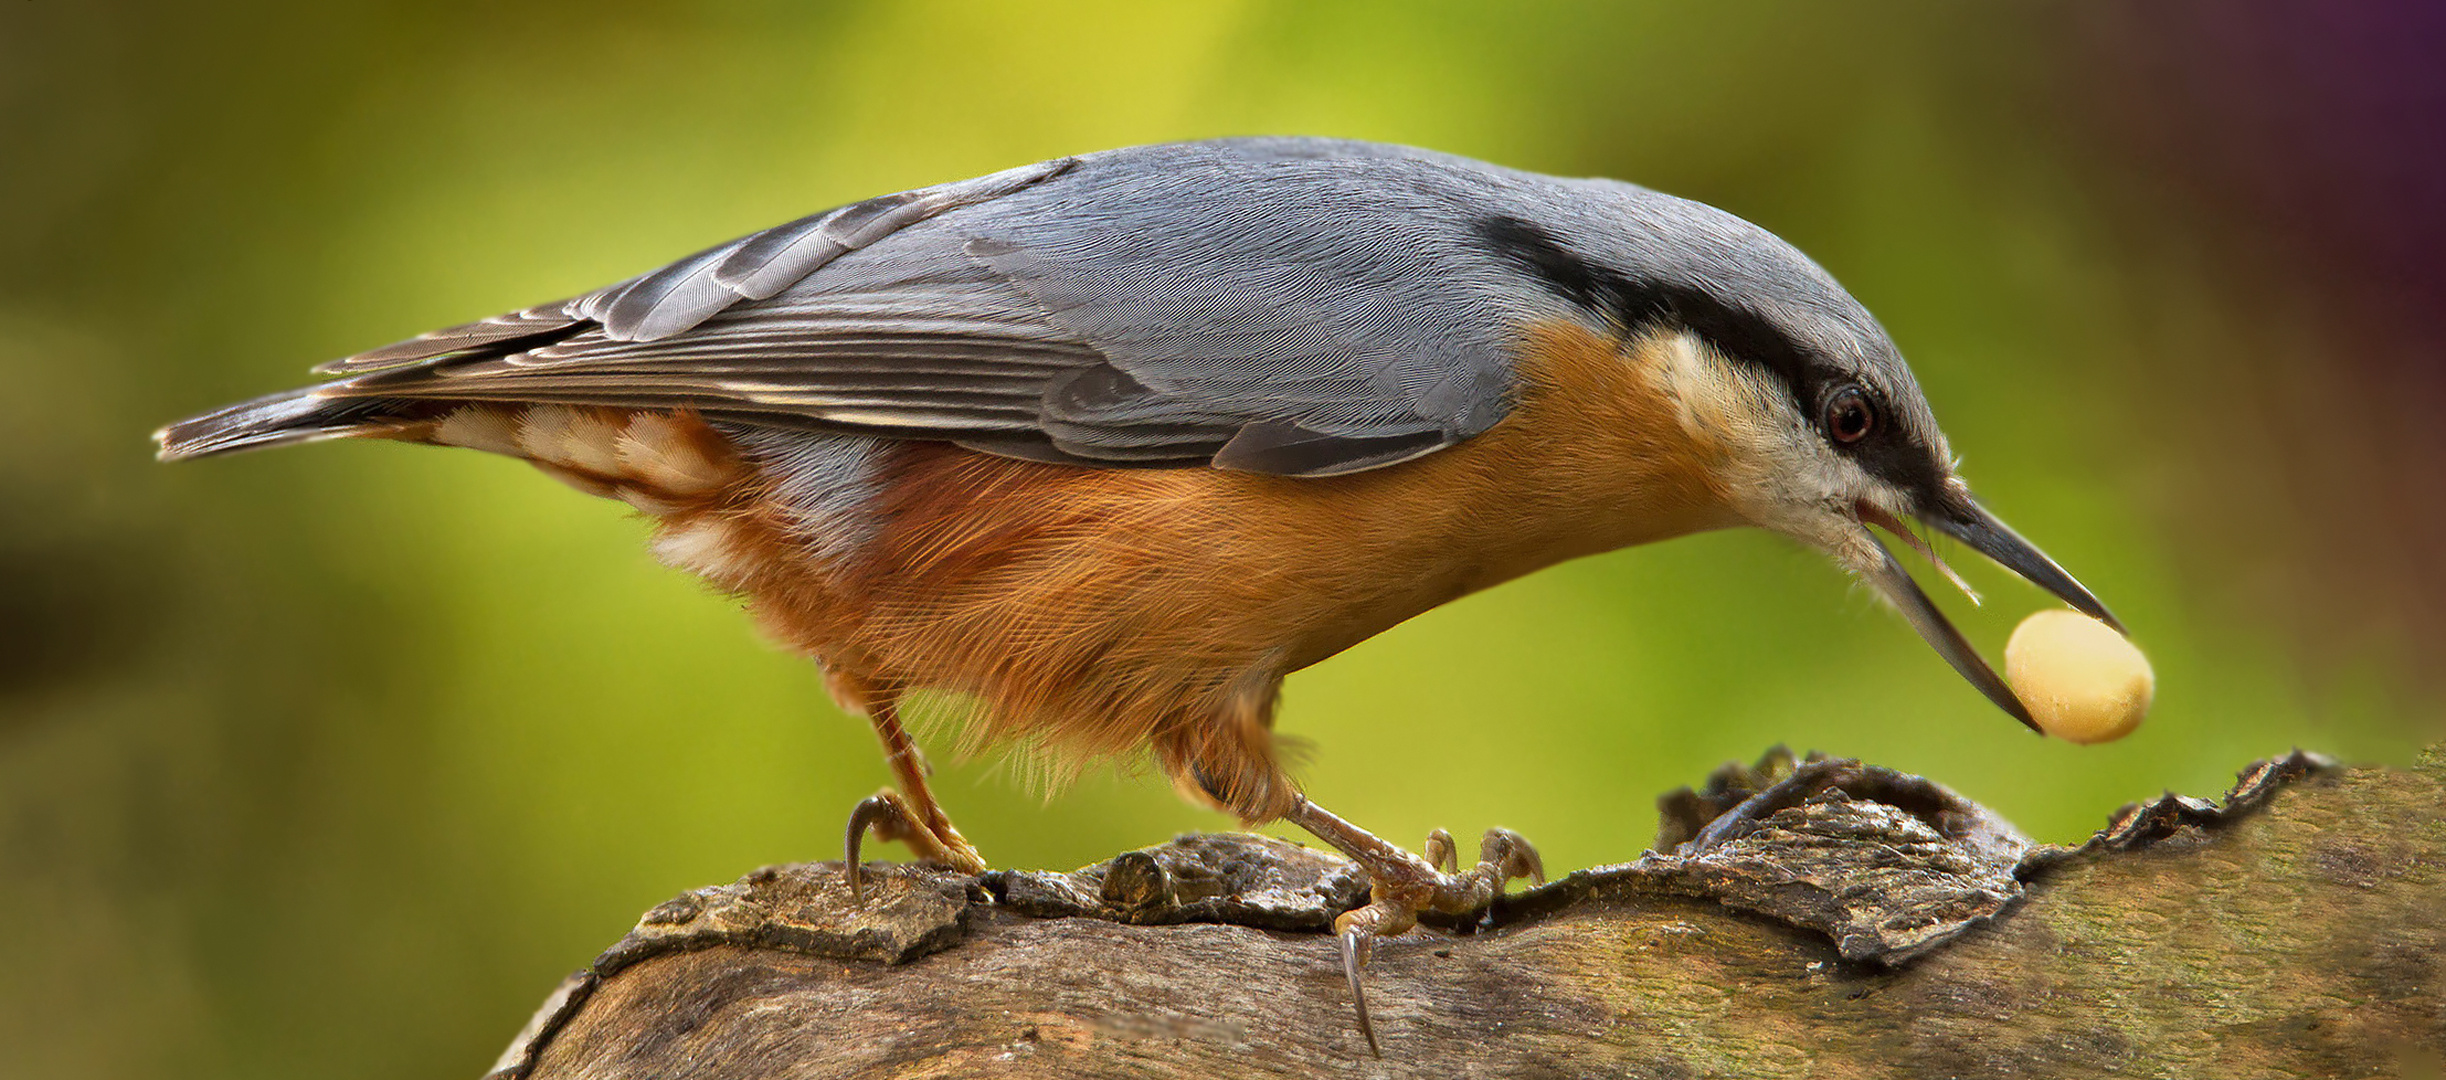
(1822, 919)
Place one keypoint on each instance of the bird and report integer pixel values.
(1109, 444)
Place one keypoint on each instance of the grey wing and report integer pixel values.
(1279, 306)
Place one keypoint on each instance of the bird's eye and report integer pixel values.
(1849, 416)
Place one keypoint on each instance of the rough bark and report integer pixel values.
(1823, 919)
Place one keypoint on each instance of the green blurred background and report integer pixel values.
(332, 761)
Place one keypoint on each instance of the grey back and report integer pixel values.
(1289, 306)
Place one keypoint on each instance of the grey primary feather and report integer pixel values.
(283, 419)
(517, 329)
(1289, 306)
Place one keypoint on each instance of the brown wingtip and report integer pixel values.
(294, 416)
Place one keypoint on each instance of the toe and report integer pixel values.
(1512, 855)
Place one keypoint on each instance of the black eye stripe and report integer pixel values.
(1888, 449)
(1742, 336)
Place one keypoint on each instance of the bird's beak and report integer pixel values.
(1961, 517)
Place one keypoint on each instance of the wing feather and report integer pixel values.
(536, 326)
(1293, 307)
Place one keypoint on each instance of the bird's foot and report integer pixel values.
(890, 817)
(1403, 886)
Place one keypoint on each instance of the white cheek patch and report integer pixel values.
(1719, 400)
(1767, 460)
(1742, 414)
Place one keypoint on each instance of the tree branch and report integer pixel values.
(1823, 918)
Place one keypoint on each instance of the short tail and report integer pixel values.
(278, 420)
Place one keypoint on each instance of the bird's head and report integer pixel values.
(1813, 424)
(1824, 449)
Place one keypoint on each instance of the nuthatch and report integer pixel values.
(1113, 443)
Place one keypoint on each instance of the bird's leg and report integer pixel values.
(910, 814)
(1403, 885)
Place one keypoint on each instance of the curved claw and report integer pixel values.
(1356, 944)
(888, 815)
(1405, 885)
(1441, 852)
(877, 812)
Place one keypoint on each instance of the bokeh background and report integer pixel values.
(332, 761)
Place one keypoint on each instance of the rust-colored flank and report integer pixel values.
(1089, 611)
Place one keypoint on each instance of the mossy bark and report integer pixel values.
(2298, 930)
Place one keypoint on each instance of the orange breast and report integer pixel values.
(1099, 610)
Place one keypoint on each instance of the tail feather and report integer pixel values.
(295, 416)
